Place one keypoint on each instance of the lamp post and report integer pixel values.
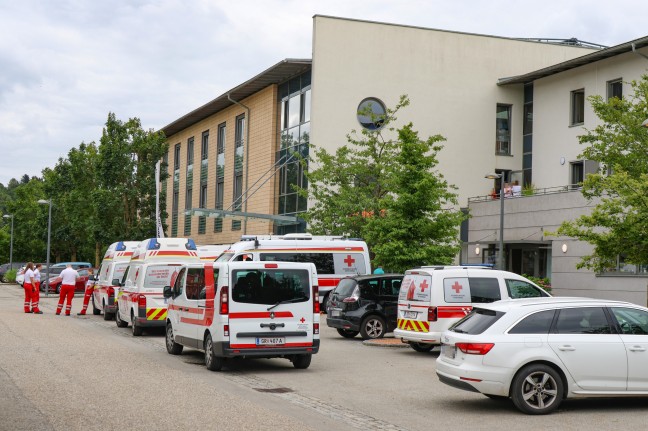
(500, 254)
(49, 234)
(11, 240)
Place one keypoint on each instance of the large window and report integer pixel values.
(204, 148)
(239, 141)
(220, 174)
(577, 107)
(190, 152)
(176, 157)
(615, 89)
(503, 130)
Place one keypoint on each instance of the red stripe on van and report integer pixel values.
(260, 315)
(453, 312)
(328, 282)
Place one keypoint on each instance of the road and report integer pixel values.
(84, 373)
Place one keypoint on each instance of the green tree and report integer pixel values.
(618, 223)
(386, 191)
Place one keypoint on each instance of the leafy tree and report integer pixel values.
(386, 191)
(618, 224)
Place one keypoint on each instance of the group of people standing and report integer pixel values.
(68, 276)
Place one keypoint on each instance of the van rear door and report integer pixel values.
(271, 306)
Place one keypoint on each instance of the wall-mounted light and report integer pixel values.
(477, 250)
(564, 248)
(562, 160)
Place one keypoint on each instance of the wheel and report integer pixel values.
(95, 310)
(212, 362)
(58, 289)
(137, 330)
(347, 333)
(537, 389)
(172, 347)
(120, 323)
(324, 305)
(372, 327)
(422, 347)
(301, 362)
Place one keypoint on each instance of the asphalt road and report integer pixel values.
(84, 373)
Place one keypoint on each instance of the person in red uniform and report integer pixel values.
(28, 285)
(68, 281)
(89, 287)
(36, 292)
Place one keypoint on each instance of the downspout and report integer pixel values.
(247, 155)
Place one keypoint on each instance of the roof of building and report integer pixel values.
(276, 74)
(577, 62)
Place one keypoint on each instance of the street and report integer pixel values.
(84, 373)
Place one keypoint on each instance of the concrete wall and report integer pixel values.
(449, 77)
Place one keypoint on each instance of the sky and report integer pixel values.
(66, 64)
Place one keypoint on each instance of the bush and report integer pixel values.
(545, 283)
(11, 275)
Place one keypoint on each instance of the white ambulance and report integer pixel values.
(334, 257)
(154, 264)
(209, 253)
(111, 271)
(432, 298)
(245, 309)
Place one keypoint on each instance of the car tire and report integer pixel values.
(347, 333)
(106, 316)
(212, 362)
(172, 347)
(137, 330)
(120, 323)
(542, 396)
(95, 310)
(324, 305)
(422, 347)
(58, 289)
(372, 327)
(301, 362)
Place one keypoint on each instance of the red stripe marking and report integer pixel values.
(453, 312)
(260, 315)
(328, 282)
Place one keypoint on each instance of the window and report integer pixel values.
(190, 151)
(324, 262)
(176, 157)
(631, 321)
(576, 174)
(203, 196)
(371, 113)
(503, 130)
(195, 283)
(615, 89)
(477, 321)
(577, 107)
(586, 320)
(484, 290)
(220, 174)
(204, 148)
(269, 286)
(188, 199)
(522, 289)
(537, 323)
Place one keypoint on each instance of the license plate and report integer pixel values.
(409, 314)
(448, 351)
(271, 341)
(335, 313)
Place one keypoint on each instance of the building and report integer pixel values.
(510, 106)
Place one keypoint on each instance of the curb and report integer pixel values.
(386, 342)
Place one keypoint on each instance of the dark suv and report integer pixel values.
(365, 305)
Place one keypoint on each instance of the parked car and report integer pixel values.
(53, 273)
(365, 305)
(6, 267)
(54, 284)
(75, 265)
(540, 351)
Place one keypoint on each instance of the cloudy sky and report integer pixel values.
(65, 64)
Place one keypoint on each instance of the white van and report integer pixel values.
(154, 264)
(334, 257)
(245, 309)
(433, 298)
(209, 253)
(111, 271)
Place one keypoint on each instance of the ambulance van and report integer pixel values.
(245, 310)
(209, 253)
(111, 271)
(154, 264)
(334, 257)
(432, 298)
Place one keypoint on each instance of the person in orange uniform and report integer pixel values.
(89, 287)
(68, 281)
(36, 292)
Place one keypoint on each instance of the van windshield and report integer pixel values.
(225, 257)
(270, 286)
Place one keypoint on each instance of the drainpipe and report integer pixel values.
(247, 154)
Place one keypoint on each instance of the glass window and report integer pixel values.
(503, 130)
(345, 287)
(176, 157)
(477, 321)
(537, 323)
(238, 191)
(631, 320)
(294, 110)
(615, 89)
(390, 286)
(179, 282)
(522, 289)
(306, 106)
(203, 196)
(188, 204)
(369, 289)
(527, 126)
(586, 320)
(270, 286)
(324, 262)
(483, 290)
(190, 151)
(371, 113)
(204, 149)
(577, 107)
(577, 173)
(195, 282)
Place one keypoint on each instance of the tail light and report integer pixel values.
(475, 348)
(226, 330)
(354, 296)
(316, 328)
(316, 304)
(141, 301)
(111, 291)
(224, 303)
(432, 314)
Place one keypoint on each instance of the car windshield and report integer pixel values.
(225, 257)
(270, 286)
(345, 287)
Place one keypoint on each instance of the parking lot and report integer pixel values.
(84, 373)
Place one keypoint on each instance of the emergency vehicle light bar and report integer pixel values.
(120, 246)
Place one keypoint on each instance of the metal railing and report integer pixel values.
(527, 193)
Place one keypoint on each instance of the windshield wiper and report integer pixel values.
(288, 301)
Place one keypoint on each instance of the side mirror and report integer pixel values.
(167, 292)
(116, 282)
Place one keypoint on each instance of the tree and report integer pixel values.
(618, 223)
(385, 190)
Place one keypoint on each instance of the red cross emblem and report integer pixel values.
(302, 320)
(424, 285)
(457, 287)
(349, 260)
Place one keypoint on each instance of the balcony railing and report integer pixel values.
(527, 193)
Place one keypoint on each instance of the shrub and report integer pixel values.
(11, 275)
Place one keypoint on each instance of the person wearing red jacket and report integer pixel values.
(68, 282)
(89, 287)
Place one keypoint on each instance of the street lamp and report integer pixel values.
(49, 233)
(11, 240)
(500, 254)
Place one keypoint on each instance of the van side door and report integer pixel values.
(388, 298)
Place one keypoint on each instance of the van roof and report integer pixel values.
(166, 250)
